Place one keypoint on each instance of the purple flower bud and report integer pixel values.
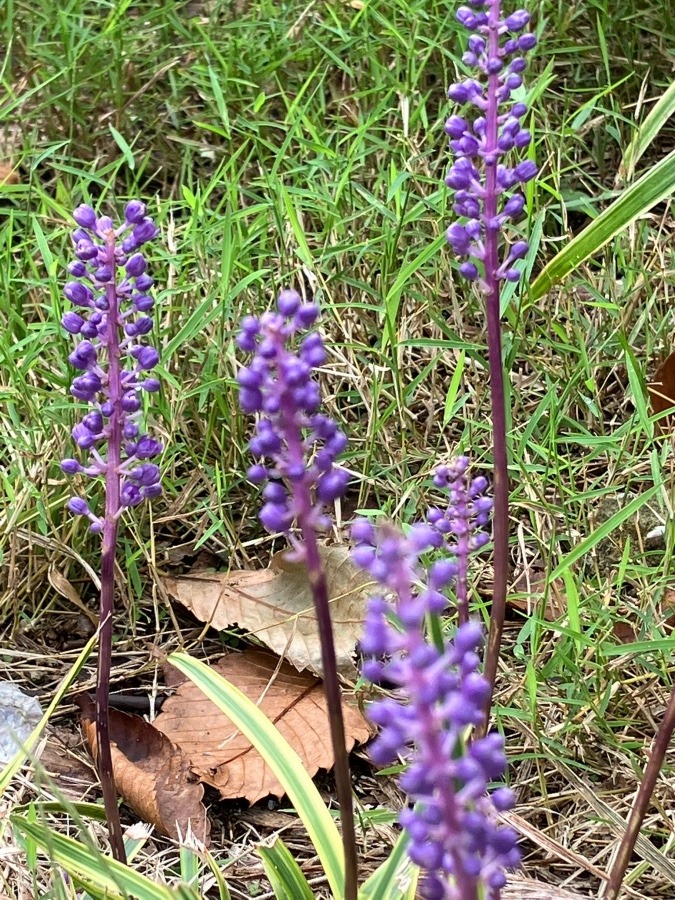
(77, 268)
(134, 212)
(148, 447)
(104, 225)
(146, 357)
(143, 282)
(145, 231)
(288, 303)
(456, 126)
(527, 42)
(85, 216)
(130, 495)
(151, 385)
(78, 294)
(72, 322)
(70, 466)
(93, 421)
(136, 265)
(525, 170)
(142, 302)
(332, 485)
(78, 506)
(517, 20)
(468, 270)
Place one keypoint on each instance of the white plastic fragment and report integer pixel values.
(19, 714)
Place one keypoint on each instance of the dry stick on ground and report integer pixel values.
(630, 836)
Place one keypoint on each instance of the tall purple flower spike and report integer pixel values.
(297, 447)
(111, 300)
(487, 182)
(453, 824)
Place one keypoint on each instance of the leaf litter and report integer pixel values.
(151, 773)
(275, 606)
(293, 701)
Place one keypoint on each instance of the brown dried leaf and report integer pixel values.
(275, 605)
(532, 581)
(151, 773)
(292, 700)
(8, 174)
(662, 392)
(626, 632)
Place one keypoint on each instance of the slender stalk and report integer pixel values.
(331, 686)
(497, 399)
(630, 835)
(108, 551)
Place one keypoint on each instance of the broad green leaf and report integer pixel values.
(653, 187)
(100, 876)
(279, 756)
(395, 879)
(603, 531)
(285, 875)
(20, 756)
(662, 110)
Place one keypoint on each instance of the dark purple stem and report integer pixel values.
(630, 835)
(331, 681)
(498, 402)
(108, 551)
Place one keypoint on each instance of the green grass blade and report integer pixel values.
(285, 875)
(603, 531)
(395, 879)
(662, 110)
(654, 186)
(20, 757)
(101, 877)
(279, 756)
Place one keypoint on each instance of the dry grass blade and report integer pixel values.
(527, 889)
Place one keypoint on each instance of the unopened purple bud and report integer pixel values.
(312, 350)
(143, 282)
(275, 517)
(70, 466)
(130, 402)
(85, 216)
(146, 357)
(78, 269)
(288, 303)
(306, 315)
(136, 265)
(151, 385)
(78, 506)
(466, 17)
(148, 447)
(519, 250)
(143, 325)
(517, 20)
(78, 294)
(494, 65)
(468, 270)
(456, 126)
(134, 212)
(525, 170)
(93, 421)
(512, 275)
(142, 302)
(332, 485)
(517, 65)
(130, 495)
(145, 231)
(458, 93)
(104, 224)
(527, 42)
(72, 322)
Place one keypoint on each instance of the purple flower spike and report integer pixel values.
(297, 447)
(300, 444)
(480, 172)
(453, 827)
(109, 357)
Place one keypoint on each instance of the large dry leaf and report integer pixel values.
(531, 585)
(293, 701)
(275, 605)
(151, 773)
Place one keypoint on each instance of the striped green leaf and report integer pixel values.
(285, 875)
(395, 879)
(102, 878)
(653, 187)
(279, 756)
(662, 110)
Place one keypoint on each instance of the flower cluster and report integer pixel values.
(111, 300)
(463, 521)
(278, 385)
(453, 825)
(487, 188)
